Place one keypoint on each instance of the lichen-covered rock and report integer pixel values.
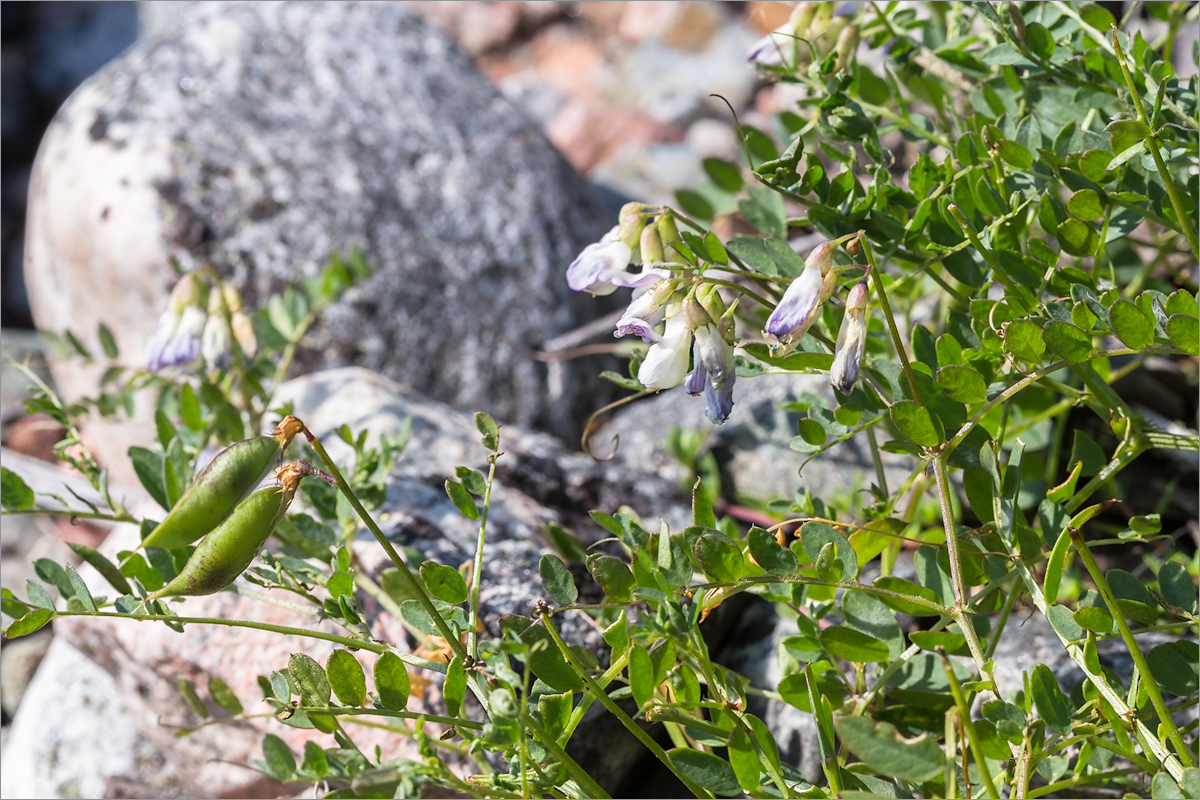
(259, 138)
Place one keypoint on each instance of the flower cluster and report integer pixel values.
(688, 326)
(201, 321)
(697, 327)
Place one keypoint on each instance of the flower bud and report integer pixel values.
(851, 341)
(1018, 21)
(651, 245)
(847, 46)
(668, 234)
(821, 256)
(709, 298)
(801, 17)
(830, 35)
(630, 225)
(239, 321)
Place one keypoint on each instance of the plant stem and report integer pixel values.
(621, 716)
(891, 320)
(1019, 292)
(1146, 739)
(335, 711)
(417, 588)
(964, 714)
(585, 781)
(73, 515)
(1152, 144)
(1155, 694)
(477, 568)
(959, 612)
(349, 642)
(878, 459)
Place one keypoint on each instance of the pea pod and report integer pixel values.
(226, 481)
(225, 552)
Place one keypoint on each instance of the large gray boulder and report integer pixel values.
(259, 138)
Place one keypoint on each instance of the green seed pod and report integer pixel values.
(226, 481)
(225, 553)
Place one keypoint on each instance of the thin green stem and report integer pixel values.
(964, 714)
(621, 716)
(1182, 215)
(415, 586)
(586, 783)
(335, 711)
(349, 642)
(1146, 739)
(477, 569)
(1019, 292)
(74, 515)
(891, 320)
(1099, 777)
(607, 677)
(880, 474)
(961, 600)
(1152, 690)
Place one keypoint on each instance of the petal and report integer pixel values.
(643, 313)
(641, 328)
(848, 352)
(167, 324)
(666, 363)
(638, 280)
(719, 400)
(766, 52)
(796, 311)
(593, 269)
(697, 380)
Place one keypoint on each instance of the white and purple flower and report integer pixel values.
(713, 372)
(801, 303)
(604, 266)
(648, 308)
(666, 363)
(851, 341)
(176, 340)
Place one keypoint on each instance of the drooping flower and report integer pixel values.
(852, 339)
(801, 303)
(713, 372)
(647, 309)
(176, 340)
(601, 266)
(215, 339)
(604, 265)
(666, 363)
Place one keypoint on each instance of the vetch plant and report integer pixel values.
(1003, 198)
